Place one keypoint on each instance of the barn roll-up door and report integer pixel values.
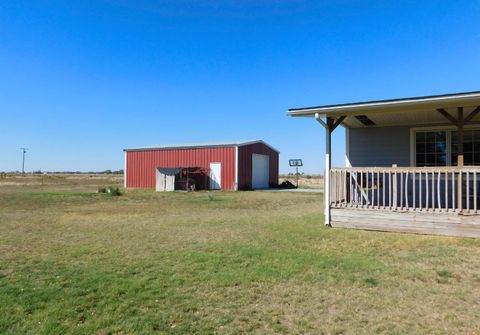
(260, 171)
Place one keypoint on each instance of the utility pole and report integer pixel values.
(24, 151)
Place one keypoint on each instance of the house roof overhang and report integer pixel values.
(396, 112)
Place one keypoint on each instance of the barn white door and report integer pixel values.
(215, 176)
(160, 182)
(169, 183)
(260, 171)
(165, 182)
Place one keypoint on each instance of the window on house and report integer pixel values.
(431, 148)
(471, 147)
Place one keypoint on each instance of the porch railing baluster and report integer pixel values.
(431, 189)
(426, 192)
(453, 191)
(372, 188)
(420, 188)
(446, 192)
(475, 191)
(390, 191)
(401, 190)
(439, 199)
(414, 186)
(405, 190)
(467, 186)
(383, 189)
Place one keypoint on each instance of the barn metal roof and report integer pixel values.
(220, 144)
(392, 112)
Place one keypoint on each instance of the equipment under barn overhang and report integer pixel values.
(182, 179)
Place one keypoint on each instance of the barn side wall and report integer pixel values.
(245, 164)
(141, 165)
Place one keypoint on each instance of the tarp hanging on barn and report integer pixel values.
(166, 179)
(169, 171)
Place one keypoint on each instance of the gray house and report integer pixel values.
(412, 164)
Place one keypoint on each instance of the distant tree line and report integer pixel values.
(66, 172)
(301, 174)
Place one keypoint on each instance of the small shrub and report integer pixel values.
(370, 281)
(444, 276)
(445, 273)
(113, 191)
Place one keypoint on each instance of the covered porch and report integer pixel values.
(412, 165)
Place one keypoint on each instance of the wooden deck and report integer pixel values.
(442, 201)
(449, 224)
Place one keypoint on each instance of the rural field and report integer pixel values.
(73, 261)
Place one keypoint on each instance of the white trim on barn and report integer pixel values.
(125, 171)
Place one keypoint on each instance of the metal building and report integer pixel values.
(224, 166)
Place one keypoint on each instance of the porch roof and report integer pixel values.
(395, 112)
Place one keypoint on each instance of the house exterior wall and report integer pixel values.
(245, 164)
(378, 146)
(141, 165)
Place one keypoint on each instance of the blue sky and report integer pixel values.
(81, 80)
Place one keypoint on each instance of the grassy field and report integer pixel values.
(76, 262)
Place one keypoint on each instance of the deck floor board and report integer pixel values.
(450, 224)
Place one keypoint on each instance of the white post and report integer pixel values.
(328, 163)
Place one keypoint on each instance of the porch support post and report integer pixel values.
(329, 126)
(460, 161)
(328, 167)
(460, 124)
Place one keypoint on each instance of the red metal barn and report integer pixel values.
(226, 166)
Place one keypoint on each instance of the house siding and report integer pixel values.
(382, 146)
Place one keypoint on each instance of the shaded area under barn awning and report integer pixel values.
(182, 179)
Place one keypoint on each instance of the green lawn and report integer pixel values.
(227, 263)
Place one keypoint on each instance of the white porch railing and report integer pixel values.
(438, 189)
